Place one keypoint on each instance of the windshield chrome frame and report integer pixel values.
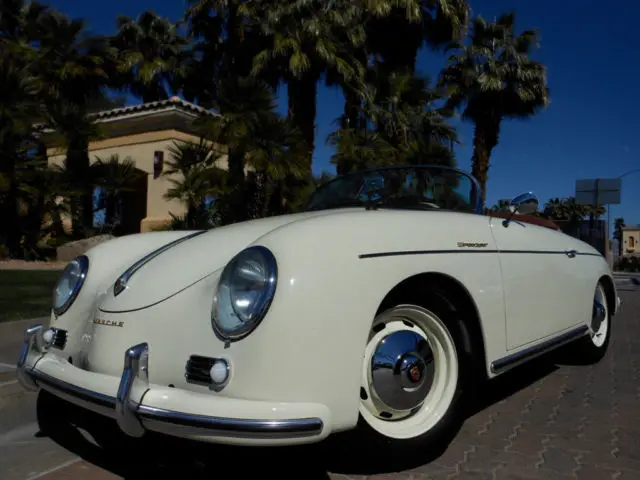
(477, 208)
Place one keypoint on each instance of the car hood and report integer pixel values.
(188, 262)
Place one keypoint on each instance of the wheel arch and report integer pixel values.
(457, 297)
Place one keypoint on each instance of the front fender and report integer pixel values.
(327, 297)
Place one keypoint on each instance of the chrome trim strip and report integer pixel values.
(129, 412)
(471, 250)
(121, 283)
(236, 427)
(65, 388)
(504, 363)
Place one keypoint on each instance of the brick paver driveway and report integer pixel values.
(546, 420)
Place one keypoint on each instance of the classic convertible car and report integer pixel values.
(376, 311)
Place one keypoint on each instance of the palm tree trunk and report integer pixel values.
(236, 182)
(276, 201)
(77, 162)
(351, 109)
(260, 196)
(302, 108)
(34, 220)
(9, 211)
(485, 139)
(110, 209)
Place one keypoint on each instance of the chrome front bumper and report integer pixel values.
(133, 417)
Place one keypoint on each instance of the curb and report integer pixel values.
(34, 320)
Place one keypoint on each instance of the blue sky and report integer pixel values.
(590, 130)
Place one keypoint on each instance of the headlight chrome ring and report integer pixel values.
(82, 263)
(257, 266)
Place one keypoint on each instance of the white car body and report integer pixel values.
(296, 378)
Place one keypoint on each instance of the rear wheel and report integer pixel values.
(413, 376)
(592, 348)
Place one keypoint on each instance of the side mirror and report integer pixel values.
(524, 204)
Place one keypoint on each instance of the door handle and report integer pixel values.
(570, 253)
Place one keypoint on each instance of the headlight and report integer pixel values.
(70, 284)
(245, 291)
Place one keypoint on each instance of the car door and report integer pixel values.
(541, 295)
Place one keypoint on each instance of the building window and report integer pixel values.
(158, 163)
(632, 242)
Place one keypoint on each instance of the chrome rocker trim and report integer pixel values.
(130, 416)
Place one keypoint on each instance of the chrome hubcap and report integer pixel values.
(402, 372)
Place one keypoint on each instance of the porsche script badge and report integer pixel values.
(108, 323)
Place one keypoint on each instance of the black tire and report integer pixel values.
(52, 414)
(584, 351)
(437, 438)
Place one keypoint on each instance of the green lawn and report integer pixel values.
(26, 293)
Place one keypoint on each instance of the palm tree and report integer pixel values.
(256, 139)
(404, 111)
(151, 55)
(565, 209)
(395, 32)
(407, 127)
(358, 149)
(304, 39)
(242, 105)
(19, 107)
(114, 177)
(275, 157)
(224, 42)
(617, 233)
(194, 177)
(492, 79)
(569, 211)
(19, 20)
(398, 30)
(73, 69)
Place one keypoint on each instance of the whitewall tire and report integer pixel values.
(593, 347)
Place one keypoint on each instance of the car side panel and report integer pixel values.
(544, 284)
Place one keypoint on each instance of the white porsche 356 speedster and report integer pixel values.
(375, 310)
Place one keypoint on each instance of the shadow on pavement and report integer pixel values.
(161, 455)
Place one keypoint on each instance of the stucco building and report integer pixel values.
(631, 241)
(144, 133)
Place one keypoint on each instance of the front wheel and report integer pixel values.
(414, 372)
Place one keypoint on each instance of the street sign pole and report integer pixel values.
(593, 192)
(594, 207)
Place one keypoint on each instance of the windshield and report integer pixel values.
(416, 187)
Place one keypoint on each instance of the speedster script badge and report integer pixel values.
(472, 244)
(107, 323)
